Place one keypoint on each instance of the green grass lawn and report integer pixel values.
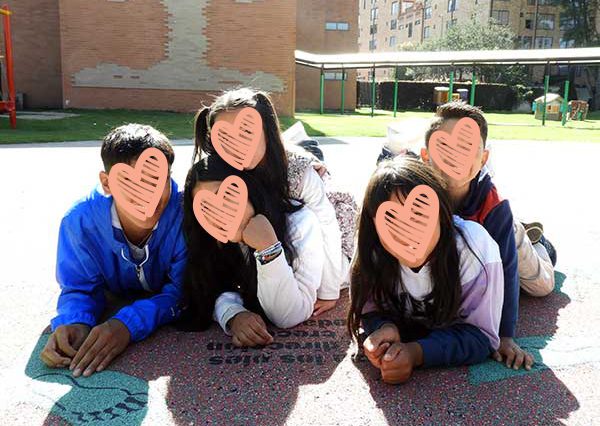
(94, 124)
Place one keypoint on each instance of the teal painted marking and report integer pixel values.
(106, 398)
(493, 371)
(559, 279)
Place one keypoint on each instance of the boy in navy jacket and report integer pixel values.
(476, 198)
(104, 254)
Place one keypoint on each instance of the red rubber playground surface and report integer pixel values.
(308, 376)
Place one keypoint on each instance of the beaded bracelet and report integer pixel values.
(268, 254)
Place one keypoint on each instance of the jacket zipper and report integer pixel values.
(139, 269)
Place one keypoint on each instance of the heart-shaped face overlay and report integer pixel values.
(407, 230)
(237, 143)
(138, 190)
(221, 214)
(454, 154)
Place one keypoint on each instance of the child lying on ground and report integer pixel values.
(105, 253)
(476, 198)
(271, 268)
(443, 311)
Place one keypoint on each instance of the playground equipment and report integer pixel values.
(451, 59)
(10, 104)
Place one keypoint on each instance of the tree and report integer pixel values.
(579, 19)
(473, 35)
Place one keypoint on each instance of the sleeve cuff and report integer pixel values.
(372, 323)
(76, 318)
(128, 317)
(328, 295)
(433, 353)
(231, 312)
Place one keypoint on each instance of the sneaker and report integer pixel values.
(534, 231)
(549, 248)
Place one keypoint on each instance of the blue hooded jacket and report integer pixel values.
(93, 256)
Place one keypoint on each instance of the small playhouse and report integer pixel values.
(553, 107)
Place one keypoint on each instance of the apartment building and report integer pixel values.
(386, 25)
(326, 27)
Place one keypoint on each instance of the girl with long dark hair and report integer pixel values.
(444, 311)
(270, 270)
(287, 172)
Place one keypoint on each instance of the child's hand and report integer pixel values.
(514, 355)
(249, 329)
(322, 306)
(378, 342)
(259, 233)
(320, 168)
(399, 361)
(62, 345)
(101, 346)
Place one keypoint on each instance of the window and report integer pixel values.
(395, 8)
(566, 22)
(450, 23)
(501, 16)
(428, 12)
(544, 2)
(401, 27)
(374, 14)
(364, 4)
(373, 44)
(392, 41)
(410, 29)
(393, 24)
(452, 5)
(546, 22)
(525, 42)
(543, 42)
(426, 32)
(529, 21)
(417, 22)
(565, 44)
(339, 26)
(373, 29)
(335, 76)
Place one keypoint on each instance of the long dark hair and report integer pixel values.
(272, 171)
(214, 268)
(375, 272)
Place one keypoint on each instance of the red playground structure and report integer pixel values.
(10, 104)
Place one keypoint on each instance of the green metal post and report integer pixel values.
(322, 92)
(473, 85)
(395, 91)
(546, 84)
(565, 105)
(451, 86)
(343, 91)
(373, 93)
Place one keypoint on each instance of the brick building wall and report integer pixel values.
(36, 51)
(175, 54)
(326, 27)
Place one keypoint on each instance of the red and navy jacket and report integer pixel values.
(483, 205)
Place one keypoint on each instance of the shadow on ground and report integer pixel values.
(211, 382)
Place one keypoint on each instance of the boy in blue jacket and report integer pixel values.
(106, 254)
(476, 198)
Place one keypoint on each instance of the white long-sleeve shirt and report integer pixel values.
(286, 294)
(337, 265)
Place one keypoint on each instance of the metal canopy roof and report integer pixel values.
(589, 55)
